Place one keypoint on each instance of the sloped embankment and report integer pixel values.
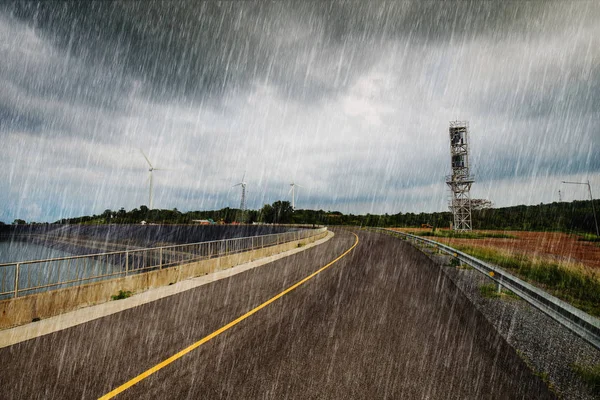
(88, 239)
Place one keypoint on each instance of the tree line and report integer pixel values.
(574, 216)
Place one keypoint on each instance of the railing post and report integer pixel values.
(160, 254)
(126, 262)
(17, 279)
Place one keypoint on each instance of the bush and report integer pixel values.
(588, 237)
(454, 262)
(123, 294)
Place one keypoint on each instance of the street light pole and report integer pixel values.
(591, 198)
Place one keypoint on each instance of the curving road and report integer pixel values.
(382, 322)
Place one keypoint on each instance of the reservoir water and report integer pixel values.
(42, 276)
(11, 251)
(87, 268)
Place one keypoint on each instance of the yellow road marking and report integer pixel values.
(216, 333)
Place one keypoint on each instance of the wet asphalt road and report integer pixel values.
(383, 322)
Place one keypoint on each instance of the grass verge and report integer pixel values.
(590, 375)
(490, 291)
(582, 290)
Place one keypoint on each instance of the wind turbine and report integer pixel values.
(151, 180)
(293, 192)
(243, 185)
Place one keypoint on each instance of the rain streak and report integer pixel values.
(336, 200)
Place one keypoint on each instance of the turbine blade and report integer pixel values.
(148, 161)
(237, 184)
(291, 190)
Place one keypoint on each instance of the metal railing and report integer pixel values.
(28, 277)
(579, 322)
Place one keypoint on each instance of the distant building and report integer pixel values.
(203, 221)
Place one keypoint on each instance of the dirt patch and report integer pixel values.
(552, 246)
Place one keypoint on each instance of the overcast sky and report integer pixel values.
(351, 100)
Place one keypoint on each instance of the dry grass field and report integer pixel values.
(558, 247)
(560, 263)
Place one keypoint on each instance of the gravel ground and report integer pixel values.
(548, 347)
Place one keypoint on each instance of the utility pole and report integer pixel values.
(591, 198)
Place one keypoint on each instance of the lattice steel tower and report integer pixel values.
(460, 181)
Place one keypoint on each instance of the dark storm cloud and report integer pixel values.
(526, 163)
(185, 50)
(206, 49)
(46, 90)
(13, 118)
(349, 98)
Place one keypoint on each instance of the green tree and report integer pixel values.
(283, 212)
(266, 214)
(107, 215)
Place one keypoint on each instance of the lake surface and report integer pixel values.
(25, 251)
(41, 276)
(38, 277)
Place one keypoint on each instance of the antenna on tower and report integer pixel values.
(461, 180)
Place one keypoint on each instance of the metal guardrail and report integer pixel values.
(579, 322)
(27, 277)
